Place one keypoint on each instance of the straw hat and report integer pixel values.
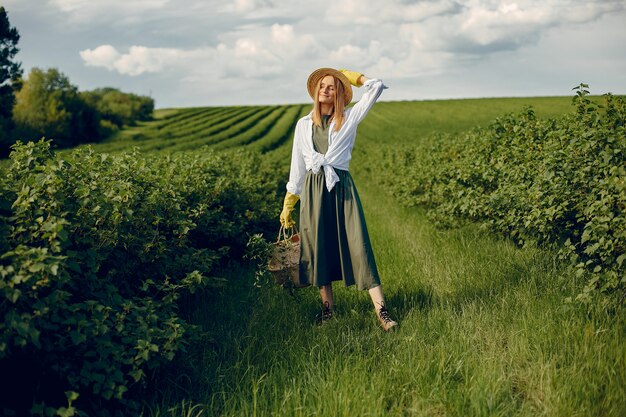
(320, 73)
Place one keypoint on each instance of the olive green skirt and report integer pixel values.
(335, 244)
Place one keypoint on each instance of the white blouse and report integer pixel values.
(305, 158)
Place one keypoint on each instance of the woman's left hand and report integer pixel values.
(355, 78)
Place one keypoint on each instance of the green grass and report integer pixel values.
(484, 331)
(484, 326)
(183, 129)
(412, 119)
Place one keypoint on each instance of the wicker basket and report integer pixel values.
(284, 264)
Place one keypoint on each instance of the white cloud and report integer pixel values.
(348, 55)
(375, 12)
(273, 51)
(473, 26)
(282, 33)
(225, 48)
(73, 6)
(89, 10)
(247, 8)
(244, 6)
(399, 39)
(102, 56)
(137, 61)
(291, 47)
(141, 59)
(247, 58)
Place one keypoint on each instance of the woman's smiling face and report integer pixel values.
(327, 90)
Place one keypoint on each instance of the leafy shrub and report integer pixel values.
(119, 108)
(97, 249)
(555, 182)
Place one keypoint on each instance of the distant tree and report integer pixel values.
(10, 73)
(144, 107)
(49, 105)
(118, 107)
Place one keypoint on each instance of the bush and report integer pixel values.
(556, 182)
(108, 128)
(119, 108)
(96, 252)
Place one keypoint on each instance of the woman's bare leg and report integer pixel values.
(378, 299)
(328, 306)
(326, 292)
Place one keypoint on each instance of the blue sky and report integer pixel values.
(199, 53)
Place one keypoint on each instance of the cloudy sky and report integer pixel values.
(204, 52)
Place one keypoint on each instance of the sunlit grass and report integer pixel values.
(484, 331)
(484, 326)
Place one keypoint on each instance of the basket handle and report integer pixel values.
(284, 233)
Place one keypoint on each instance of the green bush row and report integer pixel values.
(281, 131)
(96, 251)
(259, 130)
(560, 182)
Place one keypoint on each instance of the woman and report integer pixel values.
(335, 244)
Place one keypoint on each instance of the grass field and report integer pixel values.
(484, 326)
(230, 127)
(484, 331)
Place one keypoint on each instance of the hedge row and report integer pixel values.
(97, 249)
(558, 182)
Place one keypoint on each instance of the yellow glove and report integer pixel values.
(352, 76)
(288, 205)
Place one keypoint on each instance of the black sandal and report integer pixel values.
(325, 315)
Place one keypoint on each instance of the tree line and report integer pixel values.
(46, 104)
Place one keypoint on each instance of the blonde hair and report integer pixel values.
(338, 106)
